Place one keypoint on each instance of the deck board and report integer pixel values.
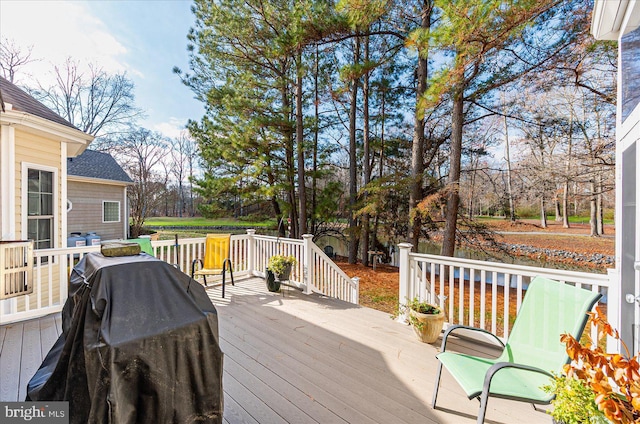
(349, 380)
(49, 333)
(293, 358)
(10, 358)
(31, 357)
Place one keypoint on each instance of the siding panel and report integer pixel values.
(86, 214)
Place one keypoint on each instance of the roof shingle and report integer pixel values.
(94, 164)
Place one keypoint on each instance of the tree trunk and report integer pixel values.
(353, 163)
(364, 238)
(472, 185)
(453, 183)
(543, 212)
(289, 162)
(314, 179)
(417, 145)
(512, 211)
(599, 206)
(302, 190)
(593, 209)
(381, 162)
(565, 205)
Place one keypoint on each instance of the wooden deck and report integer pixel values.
(291, 358)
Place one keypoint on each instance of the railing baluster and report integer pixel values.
(461, 296)
(507, 284)
(483, 298)
(472, 297)
(494, 301)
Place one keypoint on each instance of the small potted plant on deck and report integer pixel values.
(427, 320)
(279, 269)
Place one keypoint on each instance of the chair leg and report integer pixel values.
(437, 386)
(483, 405)
(223, 278)
(228, 261)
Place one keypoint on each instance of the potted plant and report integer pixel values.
(273, 285)
(610, 382)
(281, 266)
(426, 319)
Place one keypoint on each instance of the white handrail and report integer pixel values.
(266, 246)
(453, 283)
(331, 280)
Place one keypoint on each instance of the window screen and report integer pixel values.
(110, 211)
(40, 208)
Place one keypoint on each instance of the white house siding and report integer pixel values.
(86, 213)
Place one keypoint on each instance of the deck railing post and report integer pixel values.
(404, 276)
(307, 263)
(613, 308)
(355, 290)
(251, 251)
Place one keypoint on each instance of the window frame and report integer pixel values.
(55, 192)
(104, 221)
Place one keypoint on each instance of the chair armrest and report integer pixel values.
(193, 266)
(466, 327)
(502, 365)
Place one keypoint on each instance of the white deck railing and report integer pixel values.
(454, 284)
(314, 271)
(441, 280)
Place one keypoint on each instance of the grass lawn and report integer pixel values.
(204, 222)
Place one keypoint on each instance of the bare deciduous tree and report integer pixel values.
(183, 155)
(141, 152)
(13, 57)
(98, 103)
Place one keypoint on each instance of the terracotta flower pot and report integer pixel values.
(430, 325)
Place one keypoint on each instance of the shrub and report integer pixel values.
(613, 378)
(574, 402)
(278, 263)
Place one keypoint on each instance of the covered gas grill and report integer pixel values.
(139, 345)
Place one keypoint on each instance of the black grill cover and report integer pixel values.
(139, 345)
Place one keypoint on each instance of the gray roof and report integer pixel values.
(23, 102)
(93, 164)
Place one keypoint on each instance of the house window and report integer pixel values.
(40, 208)
(110, 211)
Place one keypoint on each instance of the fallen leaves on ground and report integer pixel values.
(379, 287)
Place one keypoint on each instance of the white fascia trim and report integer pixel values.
(8, 182)
(125, 221)
(63, 193)
(607, 18)
(631, 17)
(78, 139)
(80, 179)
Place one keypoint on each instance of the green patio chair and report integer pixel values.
(532, 352)
(145, 244)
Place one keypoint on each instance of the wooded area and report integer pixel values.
(391, 117)
(375, 120)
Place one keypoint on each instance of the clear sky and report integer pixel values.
(145, 38)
